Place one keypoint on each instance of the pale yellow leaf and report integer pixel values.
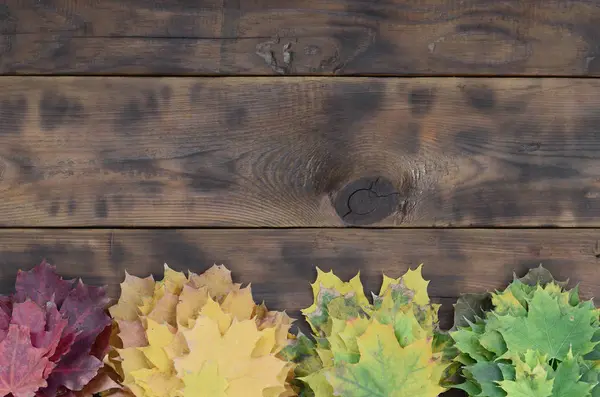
(164, 309)
(133, 290)
(132, 360)
(173, 280)
(240, 304)
(178, 347)
(191, 301)
(218, 281)
(206, 383)
(156, 383)
(204, 343)
(132, 333)
(265, 344)
(213, 311)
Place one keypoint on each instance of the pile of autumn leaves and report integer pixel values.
(204, 336)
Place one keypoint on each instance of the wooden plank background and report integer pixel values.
(279, 264)
(295, 152)
(277, 135)
(243, 37)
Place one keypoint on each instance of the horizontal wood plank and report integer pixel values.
(300, 37)
(279, 264)
(299, 152)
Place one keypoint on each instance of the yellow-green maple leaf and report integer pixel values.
(386, 369)
(345, 322)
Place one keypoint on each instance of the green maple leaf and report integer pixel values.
(533, 377)
(537, 340)
(567, 380)
(549, 328)
(386, 369)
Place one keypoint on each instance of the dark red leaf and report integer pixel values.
(23, 365)
(67, 325)
(102, 344)
(74, 372)
(5, 313)
(85, 310)
(41, 285)
(64, 345)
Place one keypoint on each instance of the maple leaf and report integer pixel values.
(380, 357)
(391, 347)
(201, 335)
(535, 338)
(54, 333)
(24, 374)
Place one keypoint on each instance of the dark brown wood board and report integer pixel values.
(233, 37)
(299, 151)
(280, 264)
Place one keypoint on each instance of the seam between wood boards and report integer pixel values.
(109, 227)
(356, 75)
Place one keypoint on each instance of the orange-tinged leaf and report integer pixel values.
(132, 333)
(164, 309)
(101, 383)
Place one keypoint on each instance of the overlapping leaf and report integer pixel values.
(536, 339)
(198, 335)
(53, 336)
(391, 347)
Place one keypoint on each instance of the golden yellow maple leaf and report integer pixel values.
(203, 335)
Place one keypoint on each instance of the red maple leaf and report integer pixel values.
(58, 328)
(22, 372)
(41, 285)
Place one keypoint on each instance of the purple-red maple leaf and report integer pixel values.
(58, 328)
(41, 285)
(21, 372)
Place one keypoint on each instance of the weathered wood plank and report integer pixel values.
(300, 37)
(299, 152)
(280, 263)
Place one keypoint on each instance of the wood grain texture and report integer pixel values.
(280, 263)
(299, 152)
(224, 37)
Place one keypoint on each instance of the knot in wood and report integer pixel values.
(366, 201)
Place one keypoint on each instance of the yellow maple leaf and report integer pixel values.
(414, 280)
(156, 383)
(133, 291)
(218, 281)
(203, 334)
(239, 303)
(205, 383)
(191, 300)
(242, 355)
